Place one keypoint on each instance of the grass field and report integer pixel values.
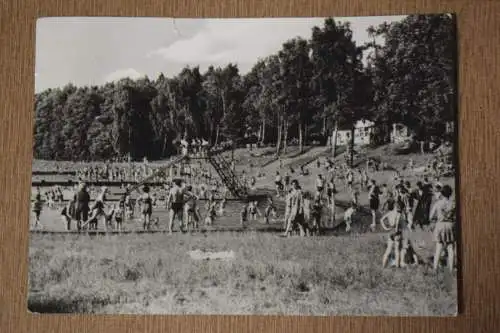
(269, 275)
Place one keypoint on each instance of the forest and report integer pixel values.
(303, 93)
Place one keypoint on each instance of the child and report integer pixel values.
(109, 217)
(278, 183)
(146, 202)
(191, 213)
(129, 206)
(244, 215)
(119, 213)
(37, 207)
(316, 210)
(348, 214)
(222, 206)
(254, 211)
(270, 209)
(349, 180)
(211, 214)
(397, 243)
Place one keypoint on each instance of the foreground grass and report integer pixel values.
(269, 275)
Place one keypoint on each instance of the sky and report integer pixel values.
(96, 50)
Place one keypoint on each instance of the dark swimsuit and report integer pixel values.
(374, 199)
(147, 207)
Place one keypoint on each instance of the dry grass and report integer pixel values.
(270, 275)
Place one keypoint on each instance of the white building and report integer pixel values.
(363, 131)
(400, 133)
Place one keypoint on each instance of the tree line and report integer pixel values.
(304, 92)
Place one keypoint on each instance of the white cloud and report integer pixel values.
(123, 73)
(240, 41)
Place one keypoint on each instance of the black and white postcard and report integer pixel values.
(293, 166)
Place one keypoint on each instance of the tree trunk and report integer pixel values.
(217, 135)
(301, 147)
(285, 136)
(263, 131)
(334, 140)
(278, 140)
(352, 146)
(259, 133)
(323, 130)
(164, 147)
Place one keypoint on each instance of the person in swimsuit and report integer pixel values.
(444, 211)
(222, 206)
(295, 210)
(287, 181)
(146, 202)
(119, 215)
(389, 208)
(211, 214)
(348, 216)
(287, 208)
(394, 241)
(316, 212)
(270, 209)
(331, 191)
(374, 193)
(66, 216)
(398, 244)
(349, 180)
(97, 210)
(253, 211)
(37, 207)
(364, 179)
(278, 183)
(82, 205)
(175, 202)
(320, 184)
(244, 215)
(191, 211)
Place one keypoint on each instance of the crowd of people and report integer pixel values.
(398, 206)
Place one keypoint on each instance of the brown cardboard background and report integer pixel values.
(479, 80)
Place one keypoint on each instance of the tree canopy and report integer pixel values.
(303, 91)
